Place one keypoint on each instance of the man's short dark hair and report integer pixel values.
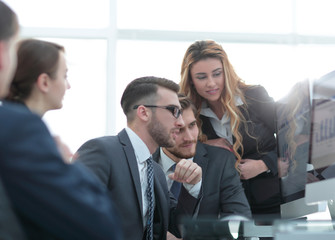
(144, 91)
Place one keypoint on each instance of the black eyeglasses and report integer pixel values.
(176, 112)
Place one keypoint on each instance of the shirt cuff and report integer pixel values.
(193, 190)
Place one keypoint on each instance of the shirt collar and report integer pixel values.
(206, 111)
(141, 150)
(165, 162)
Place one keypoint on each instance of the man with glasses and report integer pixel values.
(173, 109)
(124, 162)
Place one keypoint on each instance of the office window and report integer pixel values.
(210, 15)
(111, 42)
(83, 115)
(62, 13)
(146, 58)
(315, 17)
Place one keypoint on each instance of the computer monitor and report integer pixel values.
(321, 187)
(293, 121)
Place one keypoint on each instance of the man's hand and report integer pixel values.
(169, 236)
(187, 171)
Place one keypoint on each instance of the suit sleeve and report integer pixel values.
(263, 107)
(93, 154)
(186, 206)
(64, 200)
(233, 199)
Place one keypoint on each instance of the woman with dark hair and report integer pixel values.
(236, 116)
(40, 196)
(40, 80)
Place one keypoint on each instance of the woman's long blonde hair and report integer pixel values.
(233, 86)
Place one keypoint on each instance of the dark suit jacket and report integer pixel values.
(10, 227)
(113, 160)
(259, 142)
(222, 192)
(53, 200)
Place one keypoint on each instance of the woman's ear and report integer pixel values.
(43, 82)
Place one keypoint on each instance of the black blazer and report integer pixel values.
(113, 160)
(10, 227)
(52, 200)
(222, 191)
(262, 191)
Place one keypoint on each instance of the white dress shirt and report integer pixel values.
(221, 126)
(166, 163)
(142, 153)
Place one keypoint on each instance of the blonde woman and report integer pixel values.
(235, 116)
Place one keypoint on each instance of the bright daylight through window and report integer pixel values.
(109, 43)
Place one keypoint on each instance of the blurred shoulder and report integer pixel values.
(256, 93)
(254, 90)
(17, 115)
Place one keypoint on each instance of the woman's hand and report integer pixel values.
(250, 168)
(283, 165)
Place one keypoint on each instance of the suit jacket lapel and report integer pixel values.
(161, 202)
(132, 164)
(201, 158)
(156, 155)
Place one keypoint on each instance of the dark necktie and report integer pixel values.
(150, 197)
(176, 186)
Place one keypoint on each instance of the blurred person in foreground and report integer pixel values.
(51, 199)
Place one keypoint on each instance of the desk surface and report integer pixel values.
(210, 229)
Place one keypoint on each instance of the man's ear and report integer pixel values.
(43, 82)
(142, 113)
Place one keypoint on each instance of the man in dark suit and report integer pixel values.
(50, 199)
(222, 192)
(153, 119)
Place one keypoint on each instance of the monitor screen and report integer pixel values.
(293, 121)
(293, 133)
(320, 187)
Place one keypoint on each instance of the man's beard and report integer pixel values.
(179, 153)
(158, 132)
